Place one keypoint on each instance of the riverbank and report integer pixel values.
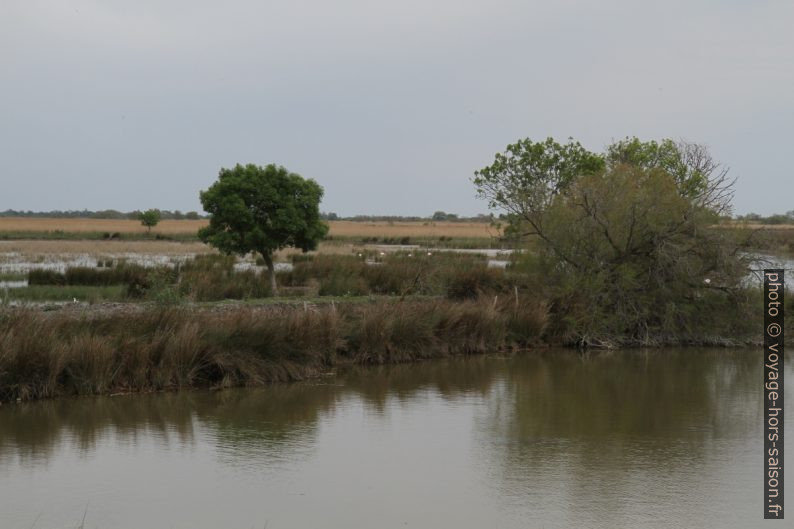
(80, 349)
(212, 322)
(56, 353)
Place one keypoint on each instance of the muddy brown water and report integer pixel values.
(660, 438)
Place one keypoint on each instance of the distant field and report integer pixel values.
(17, 224)
(181, 227)
(346, 228)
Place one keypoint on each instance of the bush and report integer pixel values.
(38, 276)
(471, 283)
(213, 278)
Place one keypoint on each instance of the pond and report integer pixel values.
(552, 438)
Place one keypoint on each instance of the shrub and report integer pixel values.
(38, 276)
(471, 283)
(212, 278)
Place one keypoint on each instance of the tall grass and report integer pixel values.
(212, 278)
(84, 275)
(91, 294)
(205, 278)
(456, 276)
(50, 354)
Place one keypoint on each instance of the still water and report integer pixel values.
(548, 439)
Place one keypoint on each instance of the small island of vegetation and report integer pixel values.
(634, 246)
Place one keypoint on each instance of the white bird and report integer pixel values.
(707, 280)
(74, 300)
(429, 253)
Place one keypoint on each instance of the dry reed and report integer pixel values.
(51, 354)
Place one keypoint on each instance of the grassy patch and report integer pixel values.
(91, 294)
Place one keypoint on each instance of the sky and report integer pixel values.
(390, 106)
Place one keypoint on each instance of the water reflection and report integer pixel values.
(552, 438)
(621, 428)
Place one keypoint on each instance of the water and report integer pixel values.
(668, 438)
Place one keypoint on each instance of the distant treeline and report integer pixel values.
(104, 214)
(192, 215)
(780, 218)
(787, 218)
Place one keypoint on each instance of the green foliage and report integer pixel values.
(149, 218)
(627, 257)
(623, 244)
(777, 218)
(471, 283)
(91, 294)
(83, 275)
(262, 209)
(672, 157)
(528, 175)
(443, 216)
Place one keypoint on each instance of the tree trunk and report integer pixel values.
(271, 272)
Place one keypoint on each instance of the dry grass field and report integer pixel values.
(340, 228)
(17, 224)
(346, 228)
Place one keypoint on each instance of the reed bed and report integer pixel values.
(214, 278)
(456, 276)
(47, 293)
(53, 354)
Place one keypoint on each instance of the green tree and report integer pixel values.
(149, 218)
(444, 216)
(698, 177)
(262, 209)
(623, 251)
(525, 178)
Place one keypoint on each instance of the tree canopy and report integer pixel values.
(527, 176)
(697, 175)
(149, 218)
(623, 242)
(262, 209)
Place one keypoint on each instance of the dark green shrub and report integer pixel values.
(470, 283)
(212, 278)
(39, 276)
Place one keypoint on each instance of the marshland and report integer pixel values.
(497, 328)
(402, 371)
(584, 332)
(99, 317)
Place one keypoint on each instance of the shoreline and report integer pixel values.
(140, 348)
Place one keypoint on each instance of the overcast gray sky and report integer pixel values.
(391, 106)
